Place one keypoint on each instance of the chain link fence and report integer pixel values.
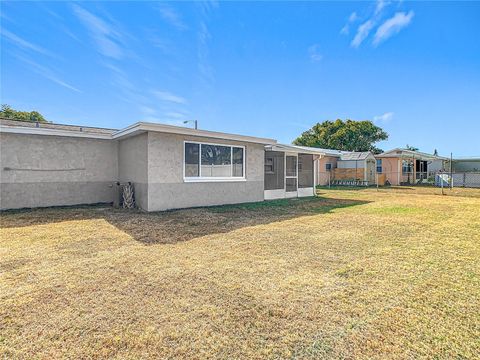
(392, 178)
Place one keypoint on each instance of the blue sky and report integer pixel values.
(269, 69)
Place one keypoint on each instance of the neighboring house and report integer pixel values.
(465, 164)
(402, 166)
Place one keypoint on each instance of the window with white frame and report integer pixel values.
(379, 166)
(213, 161)
(407, 166)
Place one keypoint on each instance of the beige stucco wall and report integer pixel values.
(41, 170)
(133, 164)
(167, 189)
(38, 171)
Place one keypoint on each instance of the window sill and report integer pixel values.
(213, 179)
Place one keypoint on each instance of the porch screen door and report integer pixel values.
(291, 173)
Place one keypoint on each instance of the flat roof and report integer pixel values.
(42, 128)
(300, 149)
(467, 158)
(141, 127)
(405, 153)
(354, 155)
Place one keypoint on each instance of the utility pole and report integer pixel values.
(192, 121)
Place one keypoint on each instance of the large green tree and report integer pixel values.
(8, 113)
(348, 135)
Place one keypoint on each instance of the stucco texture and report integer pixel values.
(166, 186)
(133, 166)
(38, 171)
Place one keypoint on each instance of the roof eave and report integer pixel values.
(141, 127)
(53, 132)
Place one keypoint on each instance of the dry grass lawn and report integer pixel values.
(355, 274)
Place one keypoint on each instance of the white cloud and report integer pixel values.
(171, 16)
(385, 118)
(381, 4)
(169, 97)
(146, 110)
(47, 73)
(106, 37)
(314, 53)
(24, 44)
(352, 18)
(362, 33)
(392, 26)
(204, 66)
(175, 115)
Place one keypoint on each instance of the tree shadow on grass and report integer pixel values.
(182, 225)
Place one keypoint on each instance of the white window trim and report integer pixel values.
(210, 178)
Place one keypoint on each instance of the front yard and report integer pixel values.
(350, 274)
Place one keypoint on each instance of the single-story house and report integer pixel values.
(402, 166)
(44, 164)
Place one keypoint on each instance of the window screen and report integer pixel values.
(291, 184)
(305, 170)
(192, 159)
(274, 170)
(291, 163)
(237, 167)
(269, 165)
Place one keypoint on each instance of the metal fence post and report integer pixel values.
(329, 179)
(451, 171)
(441, 183)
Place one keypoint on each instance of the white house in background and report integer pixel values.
(402, 166)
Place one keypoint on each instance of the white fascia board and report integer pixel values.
(287, 148)
(170, 129)
(52, 132)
